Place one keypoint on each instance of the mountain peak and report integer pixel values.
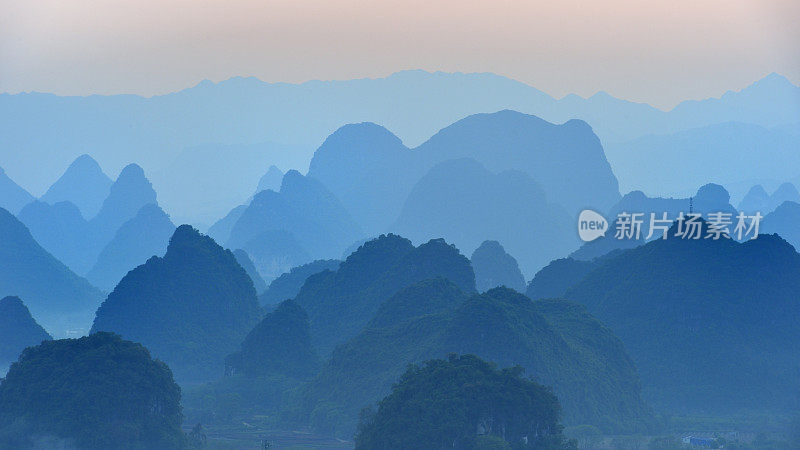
(494, 267)
(132, 170)
(772, 81)
(12, 305)
(270, 180)
(84, 162)
(713, 193)
(83, 184)
(291, 179)
(368, 132)
(786, 189)
(12, 195)
(187, 237)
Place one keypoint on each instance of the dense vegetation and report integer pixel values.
(556, 342)
(464, 403)
(191, 308)
(279, 344)
(96, 392)
(558, 276)
(340, 303)
(712, 325)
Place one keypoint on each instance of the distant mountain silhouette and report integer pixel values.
(466, 204)
(61, 301)
(62, 231)
(18, 330)
(414, 104)
(494, 268)
(247, 264)
(305, 209)
(191, 308)
(710, 198)
(785, 221)
(786, 192)
(83, 184)
(756, 200)
(557, 342)
(340, 303)
(566, 160)
(772, 100)
(288, 284)
(221, 229)
(130, 192)
(203, 182)
(704, 318)
(274, 252)
(270, 180)
(12, 196)
(146, 234)
(726, 153)
(279, 344)
(370, 170)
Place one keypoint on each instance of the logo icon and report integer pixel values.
(591, 225)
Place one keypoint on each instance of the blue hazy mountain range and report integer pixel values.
(18, 330)
(466, 204)
(146, 234)
(13, 197)
(724, 153)
(77, 241)
(154, 131)
(61, 301)
(83, 184)
(301, 222)
(758, 200)
(205, 181)
(784, 221)
(370, 170)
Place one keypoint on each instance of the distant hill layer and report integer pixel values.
(61, 301)
(52, 130)
(372, 172)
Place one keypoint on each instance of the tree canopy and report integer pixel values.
(99, 392)
(451, 403)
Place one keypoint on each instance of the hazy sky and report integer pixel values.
(656, 51)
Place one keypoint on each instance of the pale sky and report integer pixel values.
(656, 51)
